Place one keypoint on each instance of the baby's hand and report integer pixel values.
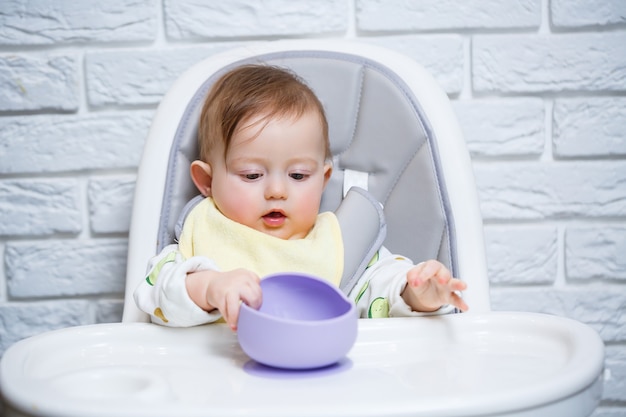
(430, 285)
(226, 290)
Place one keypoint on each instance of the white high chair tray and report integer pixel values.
(455, 365)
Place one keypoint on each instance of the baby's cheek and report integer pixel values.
(308, 217)
(238, 209)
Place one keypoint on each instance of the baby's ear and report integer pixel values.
(201, 175)
(328, 171)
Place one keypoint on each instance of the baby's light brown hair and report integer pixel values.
(249, 91)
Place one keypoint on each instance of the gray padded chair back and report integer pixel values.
(376, 128)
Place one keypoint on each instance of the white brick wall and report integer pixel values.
(538, 85)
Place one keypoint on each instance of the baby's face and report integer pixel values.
(273, 176)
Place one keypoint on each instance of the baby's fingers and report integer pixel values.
(457, 285)
(231, 310)
(458, 302)
(252, 296)
(453, 287)
(428, 270)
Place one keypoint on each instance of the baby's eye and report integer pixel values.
(298, 176)
(251, 177)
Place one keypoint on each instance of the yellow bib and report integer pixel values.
(231, 245)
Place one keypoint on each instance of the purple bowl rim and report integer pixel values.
(341, 295)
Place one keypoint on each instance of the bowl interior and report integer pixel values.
(301, 297)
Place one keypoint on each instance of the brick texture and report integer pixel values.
(582, 13)
(110, 201)
(396, 15)
(524, 63)
(40, 207)
(39, 82)
(41, 22)
(55, 268)
(441, 55)
(589, 127)
(56, 143)
(595, 253)
(521, 255)
(188, 19)
(497, 128)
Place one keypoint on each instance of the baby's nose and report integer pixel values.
(276, 189)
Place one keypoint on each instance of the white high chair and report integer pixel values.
(474, 364)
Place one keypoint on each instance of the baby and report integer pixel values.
(264, 162)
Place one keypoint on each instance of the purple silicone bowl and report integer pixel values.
(304, 323)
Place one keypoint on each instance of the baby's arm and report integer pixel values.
(181, 292)
(163, 294)
(224, 291)
(431, 285)
(379, 291)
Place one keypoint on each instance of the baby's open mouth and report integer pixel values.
(274, 214)
(274, 218)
